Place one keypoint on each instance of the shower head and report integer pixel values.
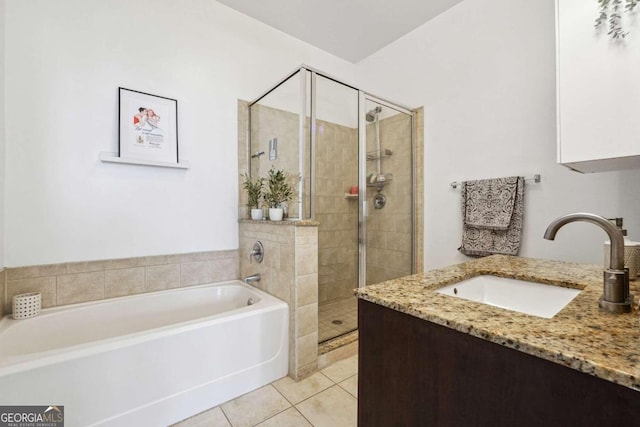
(373, 114)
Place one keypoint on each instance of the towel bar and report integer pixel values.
(535, 178)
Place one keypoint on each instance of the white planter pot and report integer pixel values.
(257, 214)
(275, 214)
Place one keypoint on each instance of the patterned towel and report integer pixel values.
(489, 202)
(488, 205)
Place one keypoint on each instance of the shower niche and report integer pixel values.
(355, 157)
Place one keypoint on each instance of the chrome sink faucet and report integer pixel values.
(616, 297)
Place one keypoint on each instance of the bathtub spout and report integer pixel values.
(253, 278)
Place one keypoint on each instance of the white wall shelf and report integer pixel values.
(114, 158)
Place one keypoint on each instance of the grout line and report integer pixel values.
(333, 383)
(278, 391)
(312, 396)
(274, 415)
(56, 287)
(302, 415)
(225, 415)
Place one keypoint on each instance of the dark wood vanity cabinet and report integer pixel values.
(416, 373)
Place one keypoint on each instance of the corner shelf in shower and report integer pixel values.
(381, 180)
(350, 196)
(379, 154)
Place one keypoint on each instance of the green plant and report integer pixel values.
(279, 188)
(254, 190)
(611, 12)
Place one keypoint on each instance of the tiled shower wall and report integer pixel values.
(75, 282)
(269, 123)
(389, 228)
(2, 291)
(336, 172)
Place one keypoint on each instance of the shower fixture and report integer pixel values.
(379, 200)
(371, 115)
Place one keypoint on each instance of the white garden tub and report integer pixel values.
(145, 360)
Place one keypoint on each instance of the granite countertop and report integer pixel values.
(580, 336)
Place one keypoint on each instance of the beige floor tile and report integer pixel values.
(351, 385)
(255, 407)
(211, 418)
(342, 370)
(296, 392)
(330, 408)
(289, 418)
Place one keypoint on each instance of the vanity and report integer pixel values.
(432, 359)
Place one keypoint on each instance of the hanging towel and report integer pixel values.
(492, 216)
(489, 203)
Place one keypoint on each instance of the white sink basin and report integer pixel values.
(532, 298)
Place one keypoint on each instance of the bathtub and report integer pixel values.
(145, 360)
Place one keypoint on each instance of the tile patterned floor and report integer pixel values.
(345, 311)
(326, 399)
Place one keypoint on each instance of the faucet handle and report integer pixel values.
(617, 221)
(257, 252)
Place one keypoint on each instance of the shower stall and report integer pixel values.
(353, 154)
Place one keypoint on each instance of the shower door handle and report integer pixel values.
(365, 208)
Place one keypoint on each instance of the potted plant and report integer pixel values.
(254, 194)
(279, 191)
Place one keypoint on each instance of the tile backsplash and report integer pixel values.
(75, 282)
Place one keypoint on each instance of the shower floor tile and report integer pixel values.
(337, 318)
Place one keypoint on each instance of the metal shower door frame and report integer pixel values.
(307, 107)
(363, 207)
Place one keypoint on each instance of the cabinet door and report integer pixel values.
(598, 90)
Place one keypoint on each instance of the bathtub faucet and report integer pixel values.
(253, 278)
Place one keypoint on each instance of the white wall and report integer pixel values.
(2, 130)
(485, 73)
(65, 61)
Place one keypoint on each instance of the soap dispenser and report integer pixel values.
(631, 251)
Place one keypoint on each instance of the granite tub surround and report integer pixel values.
(580, 336)
(75, 282)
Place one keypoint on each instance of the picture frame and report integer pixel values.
(148, 127)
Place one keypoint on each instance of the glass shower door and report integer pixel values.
(335, 204)
(388, 246)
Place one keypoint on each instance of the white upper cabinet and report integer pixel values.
(598, 90)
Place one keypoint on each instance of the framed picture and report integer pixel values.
(148, 126)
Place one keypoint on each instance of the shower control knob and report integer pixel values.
(257, 252)
(379, 201)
